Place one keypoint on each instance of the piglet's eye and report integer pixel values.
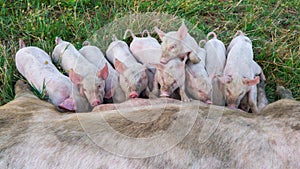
(228, 91)
(173, 46)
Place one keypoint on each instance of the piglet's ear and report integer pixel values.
(74, 77)
(160, 67)
(160, 33)
(81, 90)
(222, 79)
(225, 79)
(182, 31)
(251, 82)
(103, 73)
(119, 66)
(68, 104)
(213, 74)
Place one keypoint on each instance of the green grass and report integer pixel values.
(273, 26)
(40, 94)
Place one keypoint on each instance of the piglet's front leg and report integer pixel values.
(262, 99)
(183, 95)
(252, 99)
(193, 57)
(119, 95)
(155, 90)
(146, 93)
(244, 104)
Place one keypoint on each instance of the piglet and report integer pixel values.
(236, 39)
(262, 100)
(82, 73)
(239, 77)
(198, 83)
(258, 71)
(144, 49)
(112, 86)
(147, 51)
(215, 62)
(170, 77)
(133, 78)
(178, 44)
(36, 66)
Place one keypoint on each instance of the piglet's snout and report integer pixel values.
(232, 106)
(163, 60)
(133, 95)
(96, 102)
(208, 101)
(164, 94)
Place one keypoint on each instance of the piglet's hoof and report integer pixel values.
(186, 99)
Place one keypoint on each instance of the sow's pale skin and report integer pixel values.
(239, 77)
(82, 73)
(112, 86)
(35, 136)
(133, 77)
(214, 63)
(36, 66)
(178, 44)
